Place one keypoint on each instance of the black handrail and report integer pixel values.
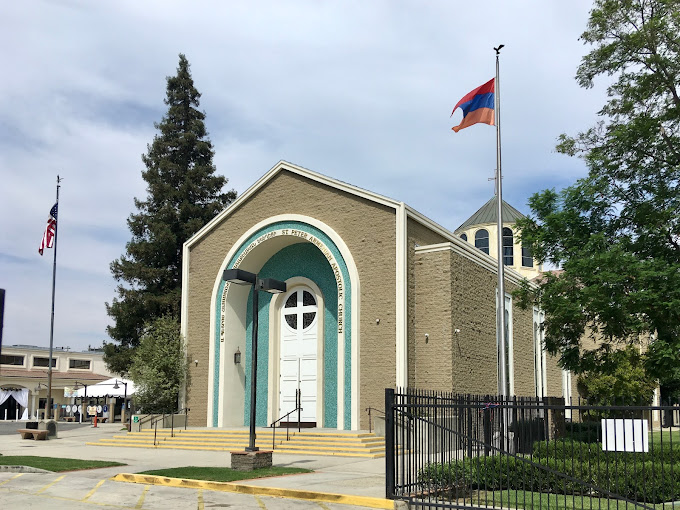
(369, 409)
(150, 417)
(154, 419)
(172, 420)
(298, 401)
(154, 424)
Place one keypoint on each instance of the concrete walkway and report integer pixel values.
(332, 475)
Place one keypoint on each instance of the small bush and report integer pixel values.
(561, 467)
(587, 431)
(593, 453)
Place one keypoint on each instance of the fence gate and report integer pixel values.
(447, 450)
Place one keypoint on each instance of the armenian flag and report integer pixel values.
(477, 106)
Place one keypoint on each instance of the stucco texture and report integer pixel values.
(454, 293)
(366, 227)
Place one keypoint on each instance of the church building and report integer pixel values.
(378, 296)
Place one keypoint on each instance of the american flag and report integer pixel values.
(50, 229)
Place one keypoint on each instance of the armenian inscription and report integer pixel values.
(295, 233)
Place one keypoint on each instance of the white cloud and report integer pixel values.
(361, 91)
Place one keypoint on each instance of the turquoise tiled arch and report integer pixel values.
(305, 260)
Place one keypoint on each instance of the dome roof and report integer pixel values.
(488, 213)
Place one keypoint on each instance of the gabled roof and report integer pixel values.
(462, 247)
(488, 213)
(290, 167)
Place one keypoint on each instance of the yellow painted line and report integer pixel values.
(201, 505)
(259, 502)
(322, 505)
(13, 478)
(89, 494)
(51, 484)
(140, 502)
(326, 497)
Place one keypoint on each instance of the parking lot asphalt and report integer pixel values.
(359, 481)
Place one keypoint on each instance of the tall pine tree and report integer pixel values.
(183, 194)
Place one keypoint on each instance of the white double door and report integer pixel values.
(298, 365)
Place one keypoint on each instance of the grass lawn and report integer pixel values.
(54, 463)
(668, 436)
(537, 500)
(220, 474)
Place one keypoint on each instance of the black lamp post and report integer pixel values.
(123, 410)
(241, 277)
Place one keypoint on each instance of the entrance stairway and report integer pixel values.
(306, 442)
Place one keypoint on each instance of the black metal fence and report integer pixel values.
(447, 450)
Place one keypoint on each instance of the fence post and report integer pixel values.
(389, 443)
(468, 411)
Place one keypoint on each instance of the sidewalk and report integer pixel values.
(338, 475)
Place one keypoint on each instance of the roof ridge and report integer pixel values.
(488, 213)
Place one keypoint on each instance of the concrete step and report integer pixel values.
(350, 444)
(330, 441)
(165, 445)
(285, 445)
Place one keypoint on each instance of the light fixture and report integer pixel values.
(237, 356)
(239, 276)
(115, 386)
(271, 285)
(196, 362)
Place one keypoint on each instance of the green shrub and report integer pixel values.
(634, 476)
(586, 431)
(593, 453)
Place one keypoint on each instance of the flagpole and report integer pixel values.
(502, 375)
(48, 404)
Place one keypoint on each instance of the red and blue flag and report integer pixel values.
(477, 106)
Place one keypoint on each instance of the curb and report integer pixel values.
(21, 469)
(326, 497)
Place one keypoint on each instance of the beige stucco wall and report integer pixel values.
(369, 231)
(453, 293)
(433, 354)
(417, 235)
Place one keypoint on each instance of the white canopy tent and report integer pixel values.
(110, 388)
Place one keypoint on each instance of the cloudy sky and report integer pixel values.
(357, 90)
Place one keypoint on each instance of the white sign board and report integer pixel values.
(69, 392)
(625, 435)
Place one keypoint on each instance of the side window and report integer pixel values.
(463, 237)
(527, 257)
(508, 258)
(81, 364)
(482, 240)
(12, 359)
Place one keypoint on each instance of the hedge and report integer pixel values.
(653, 482)
(593, 453)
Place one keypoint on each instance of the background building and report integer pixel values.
(23, 379)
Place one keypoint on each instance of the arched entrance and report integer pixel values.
(301, 254)
(298, 354)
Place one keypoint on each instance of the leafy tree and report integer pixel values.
(183, 195)
(616, 232)
(620, 378)
(159, 366)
